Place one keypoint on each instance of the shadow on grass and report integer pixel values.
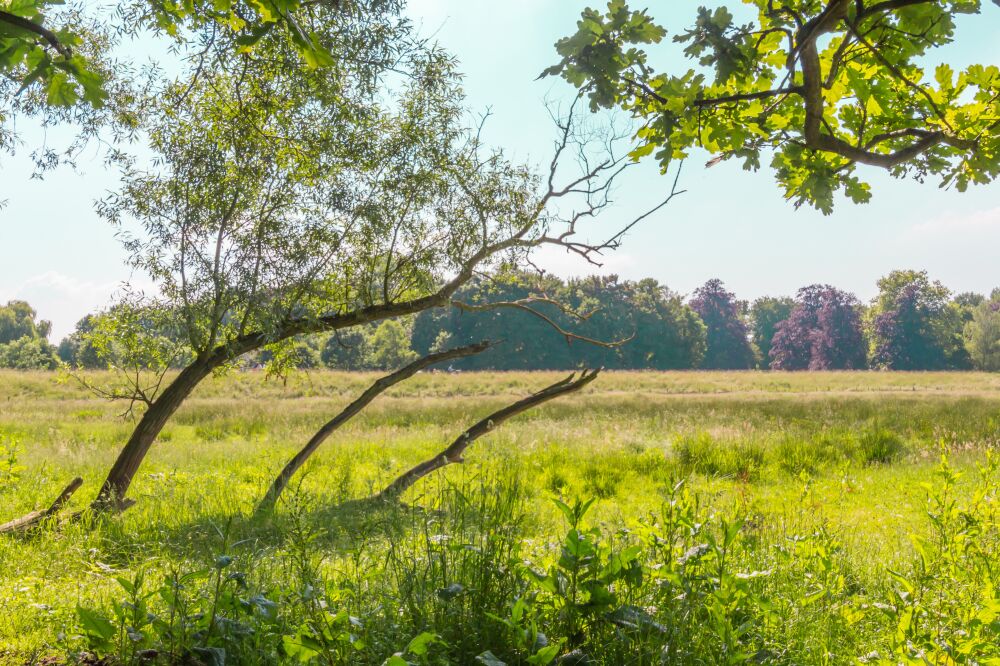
(124, 541)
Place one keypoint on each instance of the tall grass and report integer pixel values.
(789, 540)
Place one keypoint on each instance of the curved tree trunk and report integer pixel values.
(112, 493)
(380, 385)
(454, 453)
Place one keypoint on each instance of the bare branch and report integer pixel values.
(454, 453)
(525, 304)
(380, 386)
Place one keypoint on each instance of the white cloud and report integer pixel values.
(977, 223)
(61, 299)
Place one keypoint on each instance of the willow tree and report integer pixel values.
(68, 63)
(284, 200)
(818, 87)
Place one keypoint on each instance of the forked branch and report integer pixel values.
(455, 452)
(380, 386)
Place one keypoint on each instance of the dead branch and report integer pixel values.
(524, 304)
(27, 522)
(454, 452)
(380, 386)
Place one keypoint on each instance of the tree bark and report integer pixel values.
(112, 493)
(381, 385)
(454, 452)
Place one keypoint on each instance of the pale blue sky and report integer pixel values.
(56, 253)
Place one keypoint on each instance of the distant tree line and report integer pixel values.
(914, 323)
(24, 341)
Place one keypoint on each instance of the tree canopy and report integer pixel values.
(728, 339)
(23, 343)
(915, 325)
(823, 332)
(656, 329)
(765, 315)
(817, 87)
(60, 62)
(983, 333)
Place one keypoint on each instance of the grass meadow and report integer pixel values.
(654, 518)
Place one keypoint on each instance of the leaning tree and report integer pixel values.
(284, 200)
(817, 86)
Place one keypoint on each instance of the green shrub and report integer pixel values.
(796, 454)
(701, 453)
(879, 446)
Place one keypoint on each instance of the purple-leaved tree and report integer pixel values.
(823, 332)
(915, 325)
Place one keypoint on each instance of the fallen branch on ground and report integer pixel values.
(26, 522)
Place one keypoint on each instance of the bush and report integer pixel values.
(796, 454)
(28, 353)
(879, 446)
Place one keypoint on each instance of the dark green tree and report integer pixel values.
(23, 339)
(389, 347)
(765, 315)
(527, 341)
(19, 320)
(655, 328)
(915, 325)
(982, 333)
(346, 350)
(77, 349)
(28, 353)
(727, 336)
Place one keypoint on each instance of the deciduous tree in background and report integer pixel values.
(728, 343)
(23, 339)
(389, 347)
(346, 350)
(823, 332)
(663, 333)
(818, 88)
(19, 320)
(983, 334)
(915, 326)
(765, 315)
